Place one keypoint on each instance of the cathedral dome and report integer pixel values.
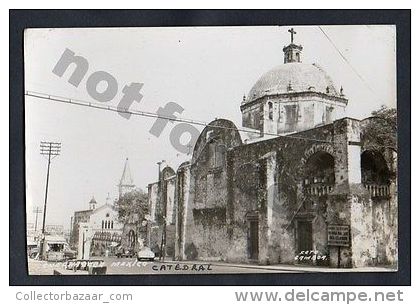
(292, 77)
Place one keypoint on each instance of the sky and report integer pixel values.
(206, 70)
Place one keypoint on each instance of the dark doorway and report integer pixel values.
(131, 239)
(253, 239)
(304, 236)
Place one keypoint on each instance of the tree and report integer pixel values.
(381, 130)
(133, 207)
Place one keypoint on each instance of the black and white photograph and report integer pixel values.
(211, 150)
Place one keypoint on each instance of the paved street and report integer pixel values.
(132, 266)
(36, 267)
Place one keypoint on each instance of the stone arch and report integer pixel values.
(167, 172)
(374, 168)
(321, 147)
(376, 175)
(221, 131)
(319, 173)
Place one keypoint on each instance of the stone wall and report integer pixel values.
(163, 207)
(218, 197)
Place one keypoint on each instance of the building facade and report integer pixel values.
(162, 206)
(102, 224)
(104, 231)
(301, 185)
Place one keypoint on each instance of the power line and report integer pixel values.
(70, 101)
(346, 60)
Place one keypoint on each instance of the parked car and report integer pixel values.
(121, 252)
(69, 253)
(33, 252)
(145, 254)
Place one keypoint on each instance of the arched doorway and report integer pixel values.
(318, 182)
(131, 239)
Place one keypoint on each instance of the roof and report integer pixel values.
(83, 212)
(126, 178)
(106, 205)
(292, 77)
(55, 239)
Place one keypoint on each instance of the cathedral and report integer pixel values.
(296, 184)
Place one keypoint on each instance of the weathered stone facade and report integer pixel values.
(269, 191)
(163, 208)
(267, 199)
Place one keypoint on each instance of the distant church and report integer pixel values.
(105, 230)
(126, 184)
(298, 186)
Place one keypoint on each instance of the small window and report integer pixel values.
(270, 110)
(256, 121)
(329, 114)
(281, 112)
(291, 118)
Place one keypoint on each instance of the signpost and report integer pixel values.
(339, 236)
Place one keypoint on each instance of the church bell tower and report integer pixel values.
(92, 203)
(126, 184)
(293, 52)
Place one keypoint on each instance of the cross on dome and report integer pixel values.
(292, 32)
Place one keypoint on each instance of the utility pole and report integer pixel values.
(52, 150)
(71, 231)
(160, 185)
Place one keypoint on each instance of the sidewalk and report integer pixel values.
(289, 268)
(37, 267)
